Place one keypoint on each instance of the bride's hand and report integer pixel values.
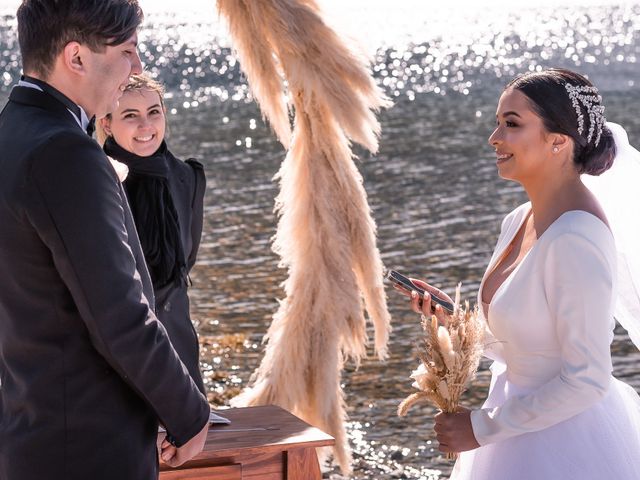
(454, 431)
(426, 303)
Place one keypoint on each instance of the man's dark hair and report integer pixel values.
(45, 27)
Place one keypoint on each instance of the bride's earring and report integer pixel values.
(555, 149)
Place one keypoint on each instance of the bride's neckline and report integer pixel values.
(500, 258)
(506, 250)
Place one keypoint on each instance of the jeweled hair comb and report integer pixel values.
(592, 102)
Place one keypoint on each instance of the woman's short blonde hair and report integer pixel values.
(136, 84)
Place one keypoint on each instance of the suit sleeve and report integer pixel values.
(578, 282)
(77, 209)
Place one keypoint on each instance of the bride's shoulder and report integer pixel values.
(580, 227)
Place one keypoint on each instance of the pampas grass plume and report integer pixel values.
(326, 236)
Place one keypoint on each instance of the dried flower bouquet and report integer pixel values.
(449, 357)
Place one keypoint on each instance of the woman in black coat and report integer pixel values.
(166, 199)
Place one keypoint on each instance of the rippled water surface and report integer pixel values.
(433, 186)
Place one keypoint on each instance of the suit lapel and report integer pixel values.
(36, 98)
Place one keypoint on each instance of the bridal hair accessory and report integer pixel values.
(592, 102)
(449, 356)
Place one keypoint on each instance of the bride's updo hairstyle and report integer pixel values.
(556, 96)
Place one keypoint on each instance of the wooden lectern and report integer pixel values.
(262, 443)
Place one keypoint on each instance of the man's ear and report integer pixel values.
(72, 57)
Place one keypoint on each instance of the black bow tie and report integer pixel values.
(91, 127)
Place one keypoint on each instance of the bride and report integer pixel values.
(549, 296)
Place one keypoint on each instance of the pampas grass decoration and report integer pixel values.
(449, 357)
(326, 235)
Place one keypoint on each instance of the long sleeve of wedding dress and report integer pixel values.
(554, 320)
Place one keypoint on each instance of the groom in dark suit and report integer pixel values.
(86, 370)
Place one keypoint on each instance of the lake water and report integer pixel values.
(433, 186)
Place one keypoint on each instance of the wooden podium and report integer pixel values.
(262, 443)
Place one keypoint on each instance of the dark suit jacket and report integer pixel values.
(187, 187)
(186, 184)
(86, 369)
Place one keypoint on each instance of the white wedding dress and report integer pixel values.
(554, 411)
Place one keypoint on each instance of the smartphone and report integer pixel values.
(404, 282)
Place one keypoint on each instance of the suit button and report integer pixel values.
(167, 307)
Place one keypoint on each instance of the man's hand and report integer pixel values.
(174, 457)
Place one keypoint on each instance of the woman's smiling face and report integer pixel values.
(520, 139)
(138, 124)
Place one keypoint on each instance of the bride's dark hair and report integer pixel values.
(550, 100)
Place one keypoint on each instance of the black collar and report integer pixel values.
(62, 98)
(37, 98)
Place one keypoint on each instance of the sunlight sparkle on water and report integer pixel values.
(414, 51)
(444, 77)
